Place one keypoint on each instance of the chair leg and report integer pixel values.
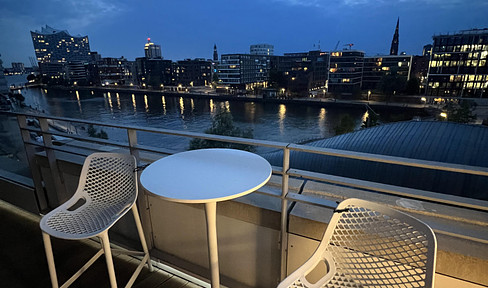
(137, 219)
(108, 257)
(50, 259)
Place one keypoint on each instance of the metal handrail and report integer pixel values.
(474, 170)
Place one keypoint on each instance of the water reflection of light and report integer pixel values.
(192, 104)
(282, 115)
(145, 103)
(250, 111)
(321, 124)
(79, 102)
(182, 106)
(118, 100)
(110, 102)
(227, 106)
(164, 104)
(134, 102)
(93, 93)
(365, 116)
(322, 114)
(212, 107)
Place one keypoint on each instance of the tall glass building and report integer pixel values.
(458, 65)
(56, 46)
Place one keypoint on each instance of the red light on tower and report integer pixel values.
(148, 39)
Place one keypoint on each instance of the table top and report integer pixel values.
(206, 175)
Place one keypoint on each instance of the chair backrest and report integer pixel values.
(106, 191)
(109, 179)
(375, 246)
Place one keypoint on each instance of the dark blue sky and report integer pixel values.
(189, 28)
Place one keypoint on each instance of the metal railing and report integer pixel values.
(285, 171)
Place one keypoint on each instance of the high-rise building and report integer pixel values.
(18, 67)
(345, 72)
(196, 72)
(305, 73)
(152, 73)
(151, 50)
(58, 46)
(427, 50)
(262, 49)
(458, 65)
(118, 71)
(395, 40)
(376, 67)
(244, 70)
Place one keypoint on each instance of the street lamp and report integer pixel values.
(369, 94)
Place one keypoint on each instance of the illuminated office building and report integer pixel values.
(57, 46)
(374, 68)
(458, 66)
(196, 72)
(151, 50)
(244, 70)
(262, 49)
(346, 71)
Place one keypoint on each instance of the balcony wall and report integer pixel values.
(249, 231)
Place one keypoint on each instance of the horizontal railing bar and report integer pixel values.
(316, 201)
(56, 148)
(238, 140)
(153, 149)
(475, 170)
(393, 190)
(461, 236)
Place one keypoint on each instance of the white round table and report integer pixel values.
(207, 176)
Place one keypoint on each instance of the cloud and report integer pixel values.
(81, 14)
(355, 3)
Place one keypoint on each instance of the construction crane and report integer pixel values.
(349, 45)
(337, 45)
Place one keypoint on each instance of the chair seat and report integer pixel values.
(87, 221)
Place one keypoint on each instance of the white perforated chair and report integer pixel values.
(370, 245)
(106, 191)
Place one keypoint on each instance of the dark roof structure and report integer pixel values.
(433, 141)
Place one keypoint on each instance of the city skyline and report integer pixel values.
(190, 29)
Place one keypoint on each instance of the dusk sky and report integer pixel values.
(189, 28)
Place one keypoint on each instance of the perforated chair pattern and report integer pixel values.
(107, 190)
(370, 245)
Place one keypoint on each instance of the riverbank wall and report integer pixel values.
(376, 106)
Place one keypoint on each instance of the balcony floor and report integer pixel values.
(23, 262)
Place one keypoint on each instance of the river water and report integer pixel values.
(289, 123)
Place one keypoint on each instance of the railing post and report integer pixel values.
(142, 201)
(34, 168)
(61, 194)
(284, 213)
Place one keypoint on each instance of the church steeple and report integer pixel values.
(215, 54)
(394, 42)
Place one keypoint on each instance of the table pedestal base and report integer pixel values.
(211, 215)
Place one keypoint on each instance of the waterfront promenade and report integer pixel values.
(323, 102)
